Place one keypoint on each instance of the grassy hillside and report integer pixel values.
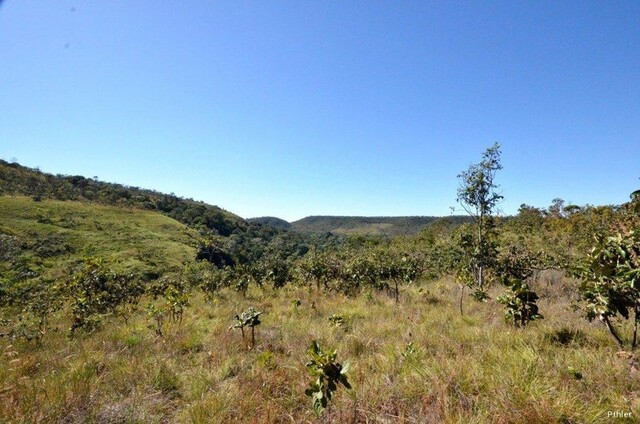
(347, 225)
(50, 236)
(16, 179)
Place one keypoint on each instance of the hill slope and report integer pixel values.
(49, 237)
(271, 221)
(390, 226)
(16, 179)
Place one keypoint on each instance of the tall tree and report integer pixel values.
(478, 196)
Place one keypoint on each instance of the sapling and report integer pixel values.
(328, 373)
(249, 318)
(157, 314)
(520, 303)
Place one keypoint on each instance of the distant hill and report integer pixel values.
(271, 221)
(390, 226)
(61, 198)
(16, 179)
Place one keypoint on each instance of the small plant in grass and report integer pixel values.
(295, 304)
(515, 266)
(175, 296)
(176, 299)
(520, 304)
(249, 318)
(157, 315)
(337, 320)
(328, 374)
(409, 350)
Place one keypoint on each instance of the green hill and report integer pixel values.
(16, 179)
(48, 237)
(271, 221)
(244, 241)
(390, 226)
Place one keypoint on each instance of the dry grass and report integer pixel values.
(416, 362)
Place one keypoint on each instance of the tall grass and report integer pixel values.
(416, 362)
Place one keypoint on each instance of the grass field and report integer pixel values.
(59, 234)
(416, 362)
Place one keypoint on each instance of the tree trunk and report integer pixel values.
(481, 258)
(461, 297)
(397, 291)
(613, 332)
(635, 327)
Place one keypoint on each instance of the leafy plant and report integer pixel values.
(249, 318)
(515, 266)
(175, 296)
(610, 280)
(176, 299)
(295, 304)
(399, 268)
(409, 350)
(478, 196)
(157, 314)
(328, 374)
(96, 293)
(520, 303)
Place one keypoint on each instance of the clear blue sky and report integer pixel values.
(326, 108)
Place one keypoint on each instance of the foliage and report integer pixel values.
(318, 267)
(249, 318)
(175, 298)
(610, 282)
(337, 320)
(95, 293)
(367, 226)
(208, 250)
(328, 374)
(400, 268)
(520, 303)
(478, 196)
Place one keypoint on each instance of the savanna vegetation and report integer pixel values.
(119, 304)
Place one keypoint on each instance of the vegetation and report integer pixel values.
(249, 318)
(611, 279)
(372, 226)
(478, 196)
(328, 375)
(76, 345)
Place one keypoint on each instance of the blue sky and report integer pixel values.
(305, 108)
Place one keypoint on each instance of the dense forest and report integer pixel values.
(119, 304)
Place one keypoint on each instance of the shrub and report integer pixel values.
(328, 374)
(249, 318)
(610, 277)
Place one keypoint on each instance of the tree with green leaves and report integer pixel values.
(478, 196)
